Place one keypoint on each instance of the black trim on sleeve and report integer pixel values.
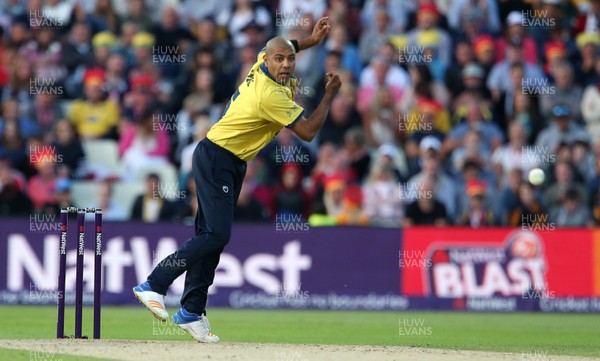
(295, 44)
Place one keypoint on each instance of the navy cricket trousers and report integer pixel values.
(218, 175)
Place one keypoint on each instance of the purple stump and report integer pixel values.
(60, 323)
(98, 273)
(79, 273)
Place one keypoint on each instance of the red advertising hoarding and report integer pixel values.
(499, 262)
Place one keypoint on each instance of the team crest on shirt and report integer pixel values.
(225, 189)
(291, 110)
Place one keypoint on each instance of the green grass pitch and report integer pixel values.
(554, 334)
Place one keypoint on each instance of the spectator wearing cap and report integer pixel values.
(381, 73)
(555, 53)
(499, 81)
(491, 134)
(484, 50)
(588, 45)
(141, 97)
(478, 212)
(473, 79)
(564, 180)
(94, 116)
(142, 44)
(427, 27)
(239, 15)
(561, 129)
(486, 9)
(426, 209)
(571, 212)
(565, 92)
(515, 33)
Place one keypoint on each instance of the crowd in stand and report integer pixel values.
(445, 107)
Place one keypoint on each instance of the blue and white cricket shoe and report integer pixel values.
(196, 325)
(154, 302)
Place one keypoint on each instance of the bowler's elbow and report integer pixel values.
(302, 130)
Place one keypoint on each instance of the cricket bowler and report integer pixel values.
(260, 107)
